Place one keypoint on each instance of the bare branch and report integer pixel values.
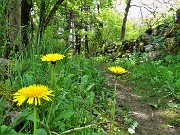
(142, 7)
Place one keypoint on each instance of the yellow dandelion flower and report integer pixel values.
(117, 70)
(52, 57)
(33, 94)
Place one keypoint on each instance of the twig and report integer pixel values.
(75, 129)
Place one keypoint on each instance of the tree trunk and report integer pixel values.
(123, 29)
(14, 31)
(41, 24)
(25, 21)
(177, 17)
(78, 44)
(86, 41)
(3, 26)
(69, 28)
(78, 27)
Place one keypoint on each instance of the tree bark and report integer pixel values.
(78, 27)
(14, 31)
(78, 43)
(41, 22)
(123, 29)
(25, 21)
(86, 42)
(70, 21)
(3, 25)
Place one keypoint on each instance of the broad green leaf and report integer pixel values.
(7, 130)
(84, 79)
(31, 117)
(135, 124)
(65, 114)
(174, 105)
(41, 131)
(68, 78)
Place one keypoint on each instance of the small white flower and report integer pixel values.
(131, 130)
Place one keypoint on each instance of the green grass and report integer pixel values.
(157, 81)
(81, 98)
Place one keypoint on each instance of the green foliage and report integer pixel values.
(168, 20)
(52, 41)
(4, 128)
(133, 30)
(111, 26)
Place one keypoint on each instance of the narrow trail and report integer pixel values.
(150, 121)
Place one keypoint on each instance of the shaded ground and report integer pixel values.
(150, 121)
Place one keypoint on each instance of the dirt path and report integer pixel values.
(150, 121)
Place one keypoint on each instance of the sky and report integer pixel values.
(134, 11)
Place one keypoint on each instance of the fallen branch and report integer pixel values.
(75, 129)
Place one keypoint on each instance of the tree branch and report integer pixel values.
(52, 12)
(142, 7)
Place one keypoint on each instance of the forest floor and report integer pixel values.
(151, 120)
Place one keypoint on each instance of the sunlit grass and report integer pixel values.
(157, 81)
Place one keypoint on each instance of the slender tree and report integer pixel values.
(123, 29)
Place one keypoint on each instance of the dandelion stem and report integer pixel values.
(113, 108)
(53, 84)
(35, 119)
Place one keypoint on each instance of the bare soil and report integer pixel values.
(151, 121)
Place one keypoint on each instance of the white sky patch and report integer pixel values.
(156, 5)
